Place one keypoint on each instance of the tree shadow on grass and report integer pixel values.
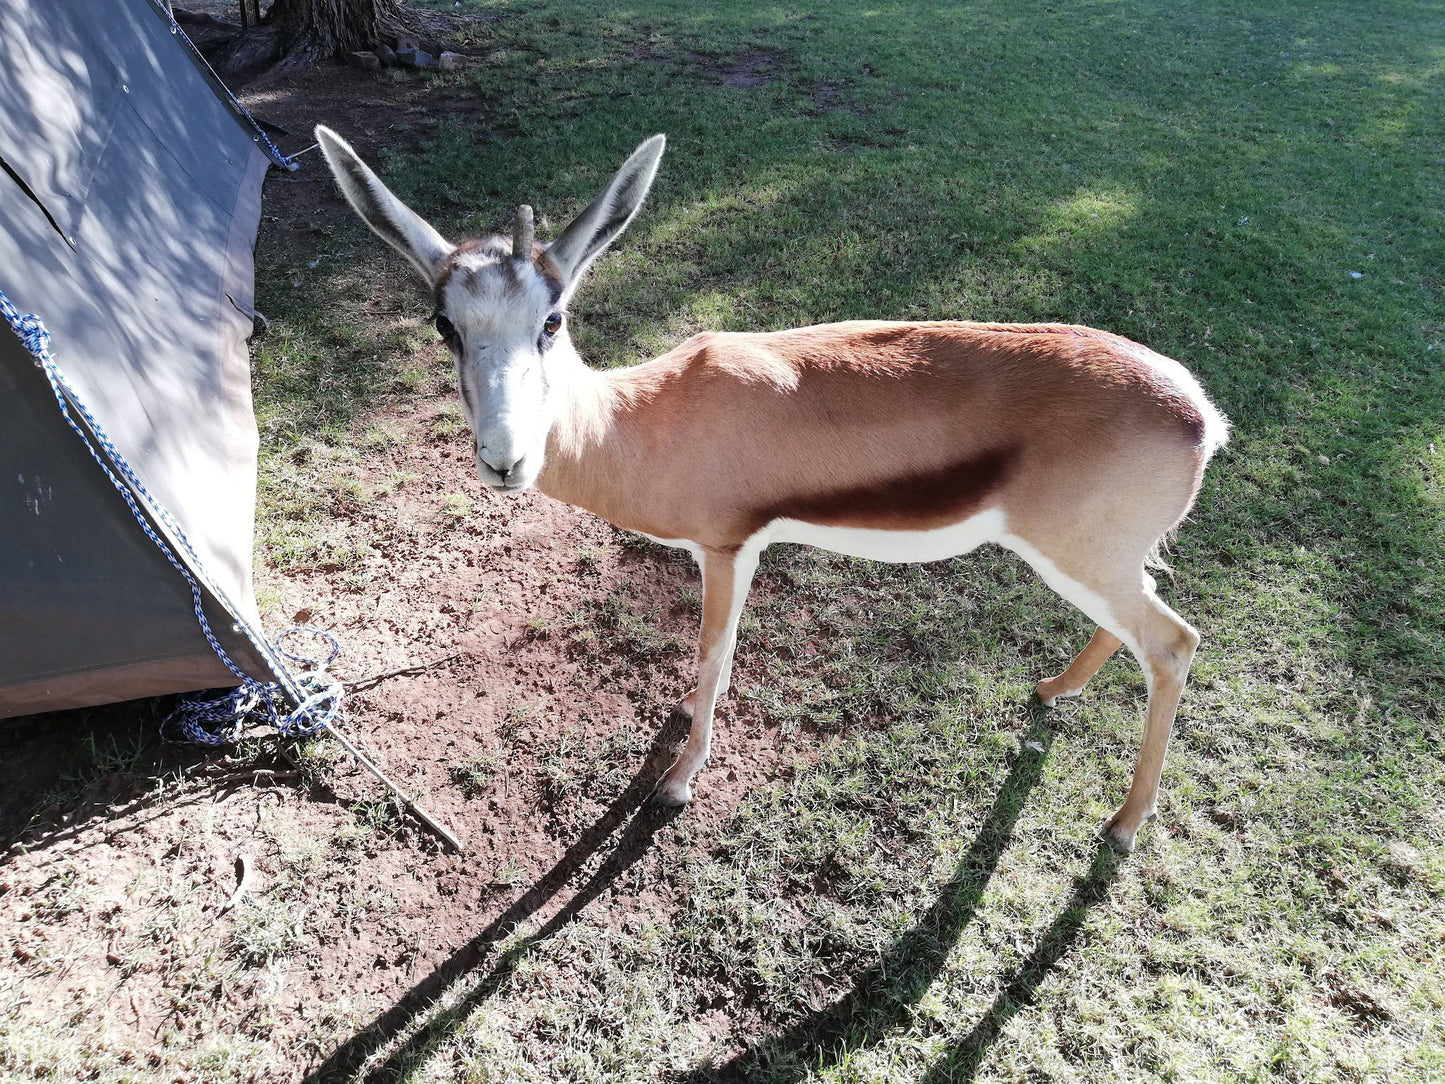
(884, 997)
(639, 821)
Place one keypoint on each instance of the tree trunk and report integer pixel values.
(296, 34)
(331, 27)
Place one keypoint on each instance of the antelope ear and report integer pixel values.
(390, 219)
(607, 216)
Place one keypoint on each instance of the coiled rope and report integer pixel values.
(217, 718)
(206, 718)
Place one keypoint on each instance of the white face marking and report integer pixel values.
(503, 351)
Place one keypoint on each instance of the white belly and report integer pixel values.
(899, 547)
(908, 547)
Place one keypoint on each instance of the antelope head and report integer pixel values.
(501, 302)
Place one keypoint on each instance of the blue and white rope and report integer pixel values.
(208, 719)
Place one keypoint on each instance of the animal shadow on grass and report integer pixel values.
(640, 822)
(964, 1055)
(883, 997)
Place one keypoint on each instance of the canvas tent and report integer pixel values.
(130, 190)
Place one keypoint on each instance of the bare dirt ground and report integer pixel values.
(537, 737)
(537, 742)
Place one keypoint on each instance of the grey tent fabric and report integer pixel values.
(129, 204)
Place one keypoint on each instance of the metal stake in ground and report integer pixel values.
(401, 796)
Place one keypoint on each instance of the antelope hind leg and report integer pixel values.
(1166, 646)
(1072, 681)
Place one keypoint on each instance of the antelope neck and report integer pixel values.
(584, 465)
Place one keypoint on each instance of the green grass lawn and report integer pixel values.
(1254, 189)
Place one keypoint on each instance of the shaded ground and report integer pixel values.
(564, 647)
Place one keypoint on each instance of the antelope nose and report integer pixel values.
(501, 463)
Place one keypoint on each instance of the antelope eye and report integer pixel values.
(446, 330)
(553, 323)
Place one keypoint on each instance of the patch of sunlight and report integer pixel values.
(1387, 130)
(1419, 77)
(1326, 69)
(704, 311)
(1088, 213)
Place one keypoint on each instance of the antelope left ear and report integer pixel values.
(390, 219)
(607, 216)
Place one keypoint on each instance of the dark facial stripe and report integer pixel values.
(915, 502)
(548, 270)
(499, 248)
(468, 400)
(542, 266)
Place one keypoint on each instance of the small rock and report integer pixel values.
(1356, 275)
(450, 62)
(386, 54)
(366, 60)
(415, 58)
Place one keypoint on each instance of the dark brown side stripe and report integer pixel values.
(916, 502)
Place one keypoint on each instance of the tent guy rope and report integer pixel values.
(211, 719)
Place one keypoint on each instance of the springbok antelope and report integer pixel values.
(1076, 449)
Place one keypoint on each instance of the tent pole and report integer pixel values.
(401, 796)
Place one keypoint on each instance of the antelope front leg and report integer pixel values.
(688, 704)
(726, 576)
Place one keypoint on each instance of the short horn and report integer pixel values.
(522, 233)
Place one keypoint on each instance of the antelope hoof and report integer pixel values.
(672, 794)
(1121, 830)
(1053, 690)
(674, 789)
